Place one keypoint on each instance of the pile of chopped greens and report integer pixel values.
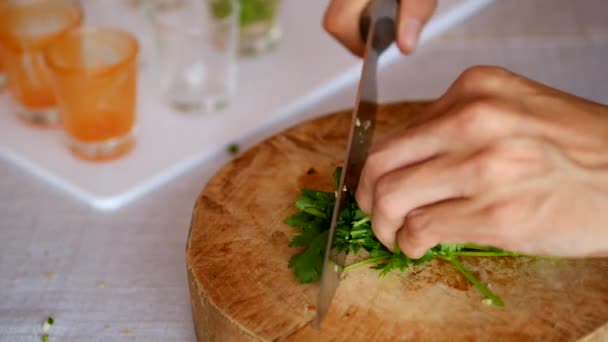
(354, 234)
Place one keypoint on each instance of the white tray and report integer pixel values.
(307, 67)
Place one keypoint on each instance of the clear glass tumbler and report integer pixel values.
(93, 72)
(198, 52)
(259, 26)
(26, 28)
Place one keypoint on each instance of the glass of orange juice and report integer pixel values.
(26, 28)
(94, 74)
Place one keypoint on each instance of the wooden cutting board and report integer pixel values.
(242, 290)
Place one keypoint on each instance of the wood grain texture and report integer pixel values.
(242, 290)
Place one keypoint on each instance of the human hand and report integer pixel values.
(341, 20)
(498, 160)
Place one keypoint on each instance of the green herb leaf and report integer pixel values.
(316, 203)
(311, 226)
(308, 264)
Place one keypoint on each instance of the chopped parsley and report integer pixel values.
(354, 234)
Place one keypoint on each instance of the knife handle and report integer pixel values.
(385, 14)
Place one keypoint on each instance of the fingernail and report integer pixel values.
(410, 30)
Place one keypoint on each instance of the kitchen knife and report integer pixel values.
(377, 28)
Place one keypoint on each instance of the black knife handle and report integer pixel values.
(385, 22)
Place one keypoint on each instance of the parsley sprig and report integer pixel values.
(354, 235)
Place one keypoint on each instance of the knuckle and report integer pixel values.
(374, 166)
(494, 213)
(482, 78)
(499, 215)
(485, 168)
(477, 115)
(413, 244)
(387, 200)
(383, 235)
(384, 204)
(363, 198)
(418, 221)
(498, 150)
(490, 164)
(334, 24)
(509, 161)
(373, 170)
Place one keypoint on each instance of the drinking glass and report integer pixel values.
(198, 52)
(258, 24)
(93, 72)
(26, 28)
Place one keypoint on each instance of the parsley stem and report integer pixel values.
(336, 265)
(484, 254)
(478, 247)
(315, 212)
(481, 287)
(361, 221)
(363, 263)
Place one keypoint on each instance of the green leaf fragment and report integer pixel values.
(336, 177)
(308, 264)
(316, 203)
(233, 149)
(307, 235)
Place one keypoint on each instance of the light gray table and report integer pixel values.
(120, 275)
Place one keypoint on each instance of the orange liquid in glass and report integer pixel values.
(95, 83)
(25, 30)
(86, 116)
(29, 80)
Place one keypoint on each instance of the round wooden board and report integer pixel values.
(242, 290)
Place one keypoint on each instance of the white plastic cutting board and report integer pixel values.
(307, 66)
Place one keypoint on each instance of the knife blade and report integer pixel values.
(377, 28)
